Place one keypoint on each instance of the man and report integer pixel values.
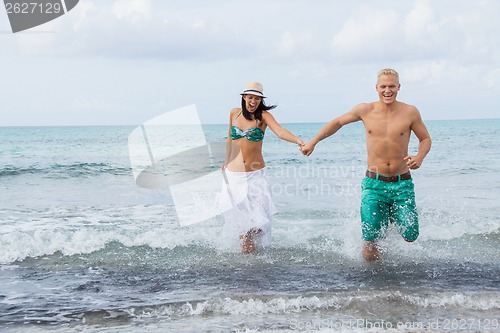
(387, 191)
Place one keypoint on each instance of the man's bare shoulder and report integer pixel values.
(409, 110)
(363, 108)
(407, 107)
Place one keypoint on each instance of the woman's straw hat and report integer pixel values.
(254, 88)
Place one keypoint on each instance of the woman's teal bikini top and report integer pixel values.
(254, 134)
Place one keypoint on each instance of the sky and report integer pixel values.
(123, 62)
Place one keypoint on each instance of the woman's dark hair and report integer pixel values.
(258, 113)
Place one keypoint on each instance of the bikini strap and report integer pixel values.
(238, 115)
(256, 120)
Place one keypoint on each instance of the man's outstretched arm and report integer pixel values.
(332, 127)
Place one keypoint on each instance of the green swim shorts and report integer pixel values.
(388, 202)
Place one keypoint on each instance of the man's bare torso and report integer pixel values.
(387, 137)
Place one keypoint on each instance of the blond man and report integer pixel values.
(387, 190)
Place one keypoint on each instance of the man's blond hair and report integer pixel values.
(387, 71)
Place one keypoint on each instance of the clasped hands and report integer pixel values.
(305, 147)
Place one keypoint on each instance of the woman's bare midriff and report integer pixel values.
(247, 156)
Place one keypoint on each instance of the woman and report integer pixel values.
(246, 187)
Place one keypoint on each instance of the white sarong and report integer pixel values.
(247, 204)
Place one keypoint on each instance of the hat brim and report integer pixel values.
(253, 92)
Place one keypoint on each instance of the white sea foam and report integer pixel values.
(290, 305)
(85, 231)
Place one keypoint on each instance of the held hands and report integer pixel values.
(413, 162)
(307, 148)
(300, 143)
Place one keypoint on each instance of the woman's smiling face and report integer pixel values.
(252, 102)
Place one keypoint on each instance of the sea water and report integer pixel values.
(84, 249)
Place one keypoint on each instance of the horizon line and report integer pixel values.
(290, 123)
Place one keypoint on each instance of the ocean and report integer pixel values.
(84, 249)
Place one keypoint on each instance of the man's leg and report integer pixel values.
(374, 217)
(405, 212)
(370, 251)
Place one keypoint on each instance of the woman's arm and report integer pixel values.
(280, 131)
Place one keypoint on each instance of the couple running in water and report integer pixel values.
(387, 190)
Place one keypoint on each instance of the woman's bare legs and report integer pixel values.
(248, 240)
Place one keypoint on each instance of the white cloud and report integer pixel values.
(135, 29)
(370, 33)
(433, 73)
(287, 45)
(419, 22)
(302, 44)
(493, 78)
(444, 39)
(133, 10)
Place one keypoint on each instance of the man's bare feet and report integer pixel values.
(370, 251)
(248, 242)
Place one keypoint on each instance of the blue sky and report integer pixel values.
(122, 62)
